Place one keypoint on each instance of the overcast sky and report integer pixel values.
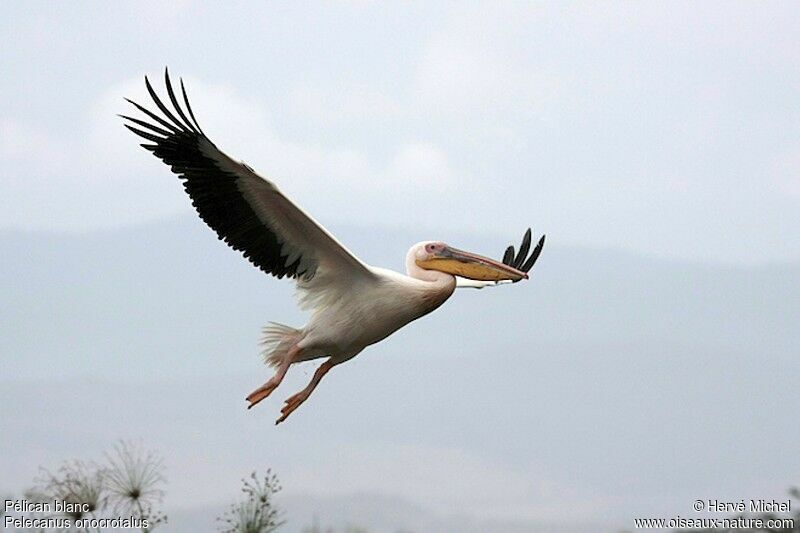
(669, 129)
(663, 129)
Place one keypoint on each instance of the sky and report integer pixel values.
(656, 144)
(667, 129)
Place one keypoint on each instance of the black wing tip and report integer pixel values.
(189, 108)
(188, 124)
(528, 265)
(145, 135)
(175, 104)
(167, 81)
(508, 256)
(523, 249)
(521, 260)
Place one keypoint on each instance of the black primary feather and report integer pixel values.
(523, 249)
(508, 257)
(189, 107)
(519, 260)
(144, 124)
(534, 256)
(174, 101)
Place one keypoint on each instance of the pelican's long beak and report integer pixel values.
(472, 266)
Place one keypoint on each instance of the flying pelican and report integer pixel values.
(352, 304)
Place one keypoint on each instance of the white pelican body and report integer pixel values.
(352, 304)
(372, 312)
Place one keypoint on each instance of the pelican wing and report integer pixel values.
(246, 211)
(521, 260)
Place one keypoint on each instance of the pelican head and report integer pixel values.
(436, 255)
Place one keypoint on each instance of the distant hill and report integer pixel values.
(121, 298)
(383, 514)
(609, 386)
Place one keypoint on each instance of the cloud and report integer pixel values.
(343, 101)
(21, 141)
(644, 127)
(786, 172)
(96, 177)
(421, 166)
(474, 67)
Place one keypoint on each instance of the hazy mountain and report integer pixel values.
(104, 297)
(607, 387)
(383, 514)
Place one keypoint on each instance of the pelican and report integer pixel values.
(352, 304)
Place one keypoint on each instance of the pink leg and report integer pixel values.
(294, 401)
(267, 388)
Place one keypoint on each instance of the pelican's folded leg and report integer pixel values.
(266, 389)
(296, 400)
